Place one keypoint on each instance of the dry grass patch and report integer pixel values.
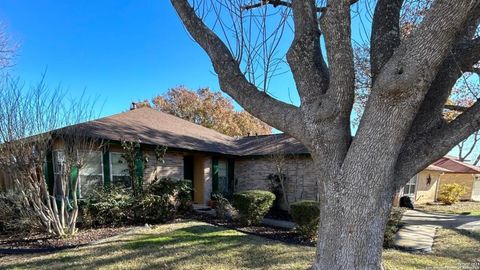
(453, 249)
(198, 245)
(460, 208)
(185, 245)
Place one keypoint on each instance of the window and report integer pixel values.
(409, 189)
(222, 177)
(91, 173)
(119, 170)
(58, 170)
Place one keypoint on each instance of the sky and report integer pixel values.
(119, 51)
(116, 51)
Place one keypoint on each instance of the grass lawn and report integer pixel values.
(461, 208)
(197, 245)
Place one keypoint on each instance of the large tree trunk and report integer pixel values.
(353, 217)
(358, 176)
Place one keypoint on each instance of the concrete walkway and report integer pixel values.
(419, 228)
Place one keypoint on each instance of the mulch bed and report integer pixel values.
(270, 232)
(44, 243)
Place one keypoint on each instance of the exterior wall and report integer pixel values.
(172, 167)
(301, 183)
(426, 191)
(462, 179)
(476, 189)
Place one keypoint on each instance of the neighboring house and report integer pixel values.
(425, 186)
(215, 162)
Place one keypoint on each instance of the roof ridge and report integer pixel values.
(172, 116)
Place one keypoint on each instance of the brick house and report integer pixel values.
(215, 162)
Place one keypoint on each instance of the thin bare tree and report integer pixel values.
(29, 122)
(402, 129)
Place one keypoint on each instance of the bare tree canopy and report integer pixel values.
(7, 48)
(28, 117)
(402, 129)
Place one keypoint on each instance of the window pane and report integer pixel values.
(222, 177)
(119, 164)
(121, 181)
(58, 161)
(89, 183)
(93, 163)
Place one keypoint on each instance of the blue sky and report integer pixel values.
(117, 50)
(121, 51)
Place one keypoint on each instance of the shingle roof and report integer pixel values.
(150, 126)
(269, 144)
(153, 127)
(449, 164)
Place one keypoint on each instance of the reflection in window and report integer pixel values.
(222, 177)
(91, 173)
(119, 170)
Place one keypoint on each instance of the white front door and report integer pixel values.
(476, 189)
(410, 188)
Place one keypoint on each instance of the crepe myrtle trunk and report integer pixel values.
(354, 210)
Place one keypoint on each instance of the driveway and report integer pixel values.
(419, 228)
(471, 223)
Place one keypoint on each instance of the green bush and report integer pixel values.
(160, 202)
(176, 194)
(307, 215)
(113, 207)
(451, 193)
(392, 227)
(223, 208)
(184, 195)
(253, 205)
(152, 208)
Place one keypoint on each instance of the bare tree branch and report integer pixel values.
(276, 3)
(385, 33)
(305, 55)
(232, 81)
(405, 79)
(433, 145)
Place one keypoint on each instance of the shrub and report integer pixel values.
(152, 208)
(176, 194)
(223, 207)
(113, 207)
(16, 216)
(392, 227)
(253, 205)
(184, 195)
(307, 215)
(160, 202)
(451, 193)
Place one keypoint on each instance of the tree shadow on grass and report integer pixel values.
(203, 246)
